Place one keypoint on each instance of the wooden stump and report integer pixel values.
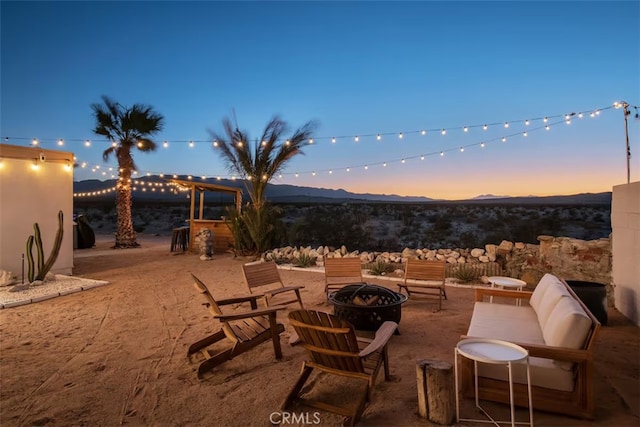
(436, 391)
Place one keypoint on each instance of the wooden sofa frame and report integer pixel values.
(577, 403)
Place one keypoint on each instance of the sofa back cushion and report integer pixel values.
(541, 288)
(554, 291)
(567, 326)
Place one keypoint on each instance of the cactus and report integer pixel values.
(31, 274)
(43, 268)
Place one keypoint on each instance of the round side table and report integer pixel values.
(498, 352)
(507, 282)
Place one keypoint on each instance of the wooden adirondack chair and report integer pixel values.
(339, 272)
(243, 330)
(430, 276)
(334, 348)
(265, 277)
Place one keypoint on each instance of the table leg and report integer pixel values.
(513, 411)
(455, 376)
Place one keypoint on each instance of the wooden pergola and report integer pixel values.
(220, 228)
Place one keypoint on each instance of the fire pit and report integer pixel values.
(366, 307)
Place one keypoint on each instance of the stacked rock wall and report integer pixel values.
(569, 258)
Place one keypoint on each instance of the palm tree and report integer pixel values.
(257, 164)
(128, 128)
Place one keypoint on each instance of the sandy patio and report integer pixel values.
(116, 354)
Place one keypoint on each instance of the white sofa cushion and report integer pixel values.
(554, 292)
(568, 326)
(541, 288)
(516, 324)
(505, 322)
(544, 373)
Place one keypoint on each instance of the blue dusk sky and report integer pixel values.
(356, 68)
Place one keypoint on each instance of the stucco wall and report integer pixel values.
(28, 196)
(625, 222)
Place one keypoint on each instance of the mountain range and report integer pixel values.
(285, 193)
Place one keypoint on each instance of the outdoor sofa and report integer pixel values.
(556, 328)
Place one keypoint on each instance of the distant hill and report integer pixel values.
(284, 193)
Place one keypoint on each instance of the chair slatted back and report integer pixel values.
(427, 270)
(261, 274)
(214, 308)
(329, 340)
(342, 271)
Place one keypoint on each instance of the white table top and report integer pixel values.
(491, 351)
(507, 281)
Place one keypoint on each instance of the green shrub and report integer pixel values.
(466, 274)
(304, 261)
(381, 268)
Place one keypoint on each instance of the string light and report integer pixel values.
(466, 128)
(34, 142)
(400, 135)
(60, 142)
(444, 131)
(87, 143)
(378, 137)
(165, 144)
(482, 144)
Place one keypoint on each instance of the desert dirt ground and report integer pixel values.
(117, 354)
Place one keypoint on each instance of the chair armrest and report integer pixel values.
(238, 300)
(556, 353)
(383, 334)
(253, 313)
(482, 292)
(281, 290)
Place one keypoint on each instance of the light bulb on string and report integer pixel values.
(482, 144)
(191, 144)
(423, 132)
(87, 143)
(444, 131)
(485, 127)
(378, 137)
(524, 134)
(333, 139)
(504, 139)
(547, 127)
(165, 144)
(526, 122)
(465, 129)
(506, 124)
(400, 135)
(356, 139)
(34, 142)
(60, 142)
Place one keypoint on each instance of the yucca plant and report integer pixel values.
(257, 163)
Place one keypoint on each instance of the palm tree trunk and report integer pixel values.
(126, 235)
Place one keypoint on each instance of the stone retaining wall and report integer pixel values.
(566, 257)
